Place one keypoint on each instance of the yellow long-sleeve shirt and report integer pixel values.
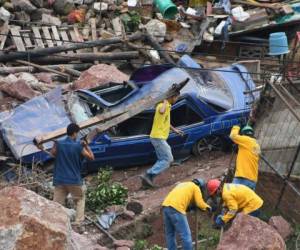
(161, 123)
(183, 195)
(237, 197)
(248, 155)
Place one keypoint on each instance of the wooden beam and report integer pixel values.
(113, 117)
(44, 68)
(94, 34)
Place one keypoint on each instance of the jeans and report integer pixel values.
(164, 156)
(245, 182)
(176, 222)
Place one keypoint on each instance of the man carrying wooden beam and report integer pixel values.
(67, 179)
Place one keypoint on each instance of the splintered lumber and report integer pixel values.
(113, 117)
(89, 57)
(40, 52)
(14, 70)
(44, 68)
(160, 50)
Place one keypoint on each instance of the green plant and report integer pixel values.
(156, 247)
(140, 245)
(105, 192)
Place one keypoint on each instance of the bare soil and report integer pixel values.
(149, 226)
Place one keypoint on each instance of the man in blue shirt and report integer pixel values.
(67, 179)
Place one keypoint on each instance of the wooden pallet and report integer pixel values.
(44, 37)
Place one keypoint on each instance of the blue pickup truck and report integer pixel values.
(210, 104)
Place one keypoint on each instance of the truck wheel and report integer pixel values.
(208, 144)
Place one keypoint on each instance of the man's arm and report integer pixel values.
(177, 131)
(87, 152)
(52, 151)
(232, 206)
(237, 138)
(199, 200)
(163, 107)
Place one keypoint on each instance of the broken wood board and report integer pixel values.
(15, 32)
(94, 34)
(38, 37)
(113, 117)
(4, 30)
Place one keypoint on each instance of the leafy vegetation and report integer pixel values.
(105, 192)
(144, 245)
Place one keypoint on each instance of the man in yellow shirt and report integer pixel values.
(236, 198)
(246, 172)
(158, 136)
(175, 206)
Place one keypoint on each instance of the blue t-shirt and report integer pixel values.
(68, 163)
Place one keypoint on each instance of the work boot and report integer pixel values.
(147, 180)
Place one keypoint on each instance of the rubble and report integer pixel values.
(247, 232)
(48, 19)
(19, 90)
(282, 226)
(4, 14)
(63, 7)
(156, 29)
(98, 75)
(23, 5)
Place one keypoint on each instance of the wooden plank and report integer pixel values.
(115, 116)
(38, 37)
(65, 38)
(44, 68)
(79, 37)
(4, 32)
(15, 31)
(94, 34)
(47, 36)
(55, 33)
(26, 37)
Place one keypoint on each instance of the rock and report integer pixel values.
(23, 5)
(44, 77)
(48, 19)
(37, 15)
(9, 6)
(124, 243)
(19, 90)
(247, 233)
(135, 207)
(63, 7)
(88, 1)
(122, 248)
(81, 242)
(29, 221)
(282, 226)
(157, 29)
(33, 82)
(22, 16)
(128, 215)
(37, 3)
(4, 14)
(98, 75)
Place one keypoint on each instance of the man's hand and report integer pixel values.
(219, 222)
(178, 131)
(40, 147)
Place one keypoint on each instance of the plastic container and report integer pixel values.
(278, 44)
(167, 8)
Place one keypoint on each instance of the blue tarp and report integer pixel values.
(39, 115)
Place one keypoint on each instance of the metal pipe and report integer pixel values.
(288, 176)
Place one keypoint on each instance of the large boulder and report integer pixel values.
(19, 90)
(29, 221)
(98, 75)
(247, 233)
(282, 226)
